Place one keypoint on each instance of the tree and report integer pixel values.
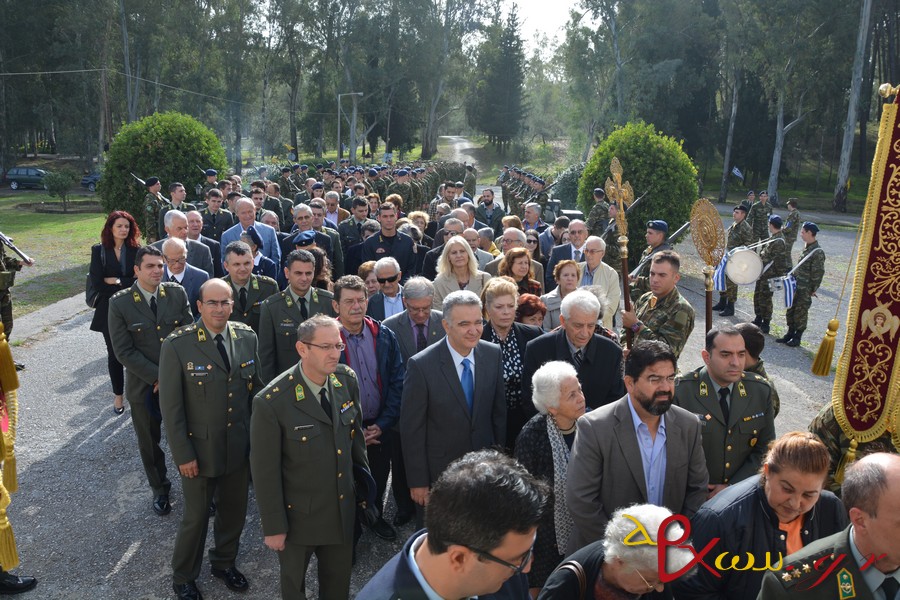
(654, 163)
(165, 145)
(59, 184)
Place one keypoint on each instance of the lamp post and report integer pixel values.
(339, 149)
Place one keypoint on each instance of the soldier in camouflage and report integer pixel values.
(809, 277)
(759, 217)
(777, 253)
(598, 218)
(739, 234)
(610, 235)
(210, 183)
(469, 181)
(662, 313)
(9, 266)
(792, 223)
(657, 241)
(153, 204)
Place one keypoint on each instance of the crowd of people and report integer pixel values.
(386, 332)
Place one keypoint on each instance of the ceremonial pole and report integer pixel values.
(622, 195)
(708, 234)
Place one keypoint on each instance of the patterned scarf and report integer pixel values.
(561, 517)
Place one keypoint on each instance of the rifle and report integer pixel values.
(673, 239)
(7, 241)
(158, 194)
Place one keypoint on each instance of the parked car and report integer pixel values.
(90, 181)
(25, 177)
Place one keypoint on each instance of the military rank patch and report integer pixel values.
(254, 284)
(137, 296)
(741, 389)
(346, 406)
(335, 382)
(201, 335)
(845, 585)
(248, 363)
(299, 393)
(704, 390)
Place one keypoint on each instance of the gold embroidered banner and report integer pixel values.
(867, 382)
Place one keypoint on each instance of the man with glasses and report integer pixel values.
(211, 372)
(282, 313)
(481, 525)
(452, 226)
(514, 238)
(574, 250)
(388, 301)
(179, 271)
(637, 450)
(198, 255)
(735, 407)
(596, 272)
(374, 355)
(140, 318)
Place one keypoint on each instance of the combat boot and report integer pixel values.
(721, 304)
(764, 325)
(794, 341)
(783, 340)
(729, 310)
(758, 321)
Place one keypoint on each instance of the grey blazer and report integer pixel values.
(434, 416)
(401, 327)
(606, 472)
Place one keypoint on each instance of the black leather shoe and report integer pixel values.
(729, 310)
(212, 509)
(161, 505)
(15, 584)
(119, 409)
(794, 341)
(721, 304)
(787, 336)
(764, 326)
(187, 591)
(234, 579)
(402, 518)
(383, 530)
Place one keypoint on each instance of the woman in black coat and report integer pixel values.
(111, 270)
(500, 298)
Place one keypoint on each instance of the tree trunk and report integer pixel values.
(735, 88)
(620, 79)
(129, 92)
(839, 202)
(772, 187)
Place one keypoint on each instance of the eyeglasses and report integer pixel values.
(176, 261)
(656, 379)
(531, 241)
(327, 347)
(390, 279)
(488, 556)
(451, 232)
(218, 303)
(647, 583)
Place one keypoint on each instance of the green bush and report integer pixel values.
(166, 145)
(653, 163)
(59, 185)
(565, 188)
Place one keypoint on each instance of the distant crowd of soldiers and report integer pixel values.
(519, 187)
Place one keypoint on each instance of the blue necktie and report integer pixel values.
(468, 384)
(588, 277)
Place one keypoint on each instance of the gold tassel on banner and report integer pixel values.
(9, 379)
(848, 458)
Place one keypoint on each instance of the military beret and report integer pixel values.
(402, 173)
(285, 169)
(505, 166)
(599, 192)
(331, 162)
(318, 185)
(211, 173)
(458, 184)
(304, 167)
(254, 235)
(744, 206)
(151, 181)
(305, 238)
(658, 225)
(383, 168)
(295, 167)
(261, 169)
(810, 226)
(319, 166)
(373, 172)
(776, 221)
(751, 193)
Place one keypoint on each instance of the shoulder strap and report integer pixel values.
(575, 567)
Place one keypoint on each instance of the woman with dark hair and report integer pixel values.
(322, 269)
(533, 244)
(517, 264)
(779, 512)
(374, 202)
(500, 299)
(531, 310)
(111, 270)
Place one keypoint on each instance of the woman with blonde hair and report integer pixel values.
(457, 270)
(517, 264)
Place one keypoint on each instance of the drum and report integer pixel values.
(744, 266)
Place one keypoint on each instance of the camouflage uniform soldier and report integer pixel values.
(502, 181)
(153, 204)
(8, 268)
(598, 218)
(809, 278)
(210, 183)
(791, 223)
(759, 217)
(401, 188)
(285, 185)
(778, 254)
(662, 314)
(610, 235)
(656, 236)
(739, 234)
(469, 181)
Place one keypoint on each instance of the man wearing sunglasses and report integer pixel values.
(388, 301)
(481, 524)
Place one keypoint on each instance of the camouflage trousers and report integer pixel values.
(6, 312)
(762, 300)
(798, 313)
(731, 290)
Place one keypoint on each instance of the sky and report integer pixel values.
(543, 16)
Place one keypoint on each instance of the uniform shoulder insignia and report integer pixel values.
(807, 569)
(325, 293)
(121, 293)
(169, 284)
(343, 369)
(181, 331)
(754, 379)
(239, 325)
(268, 280)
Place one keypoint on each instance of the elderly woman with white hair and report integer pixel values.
(613, 568)
(457, 270)
(543, 447)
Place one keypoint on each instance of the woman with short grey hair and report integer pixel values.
(543, 448)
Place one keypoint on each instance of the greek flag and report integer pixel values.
(790, 288)
(719, 276)
(737, 173)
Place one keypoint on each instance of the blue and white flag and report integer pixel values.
(719, 282)
(790, 288)
(737, 173)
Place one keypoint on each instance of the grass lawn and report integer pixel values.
(60, 245)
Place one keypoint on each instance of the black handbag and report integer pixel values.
(92, 294)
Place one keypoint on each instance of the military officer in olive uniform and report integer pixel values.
(140, 318)
(216, 220)
(282, 313)
(859, 562)
(809, 277)
(739, 234)
(662, 313)
(777, 255)
(211, 374)
(249, 290)
(734, 409)
(306, 437)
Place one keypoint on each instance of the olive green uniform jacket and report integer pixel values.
(734, 450)
(279, 317)
(259, 288)
(302, 460)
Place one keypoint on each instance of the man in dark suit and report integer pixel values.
(388, 302)
(211, 454)
(639, 449)
(198, 255)
(319, 225)
(140, 318)
(306, 501)
(495, 505)
(871, 493)
(445, 393)
(353, 256)
(597, 359)
(574, 250)
(513, 238)
(452, 227)
(303, 221)
(195, 227)
(180, 272)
